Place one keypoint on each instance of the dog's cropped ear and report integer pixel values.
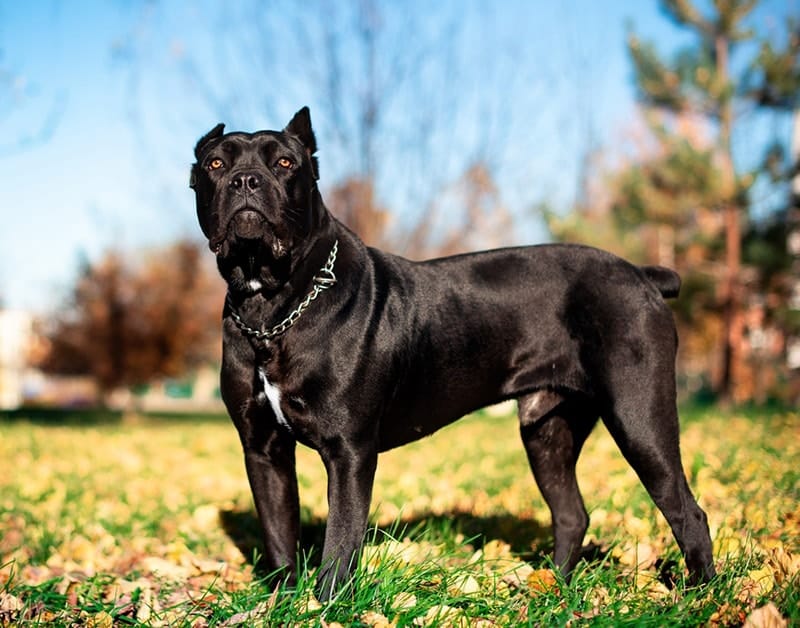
(300, 127)
(213, 134)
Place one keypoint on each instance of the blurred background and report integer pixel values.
(667, 132)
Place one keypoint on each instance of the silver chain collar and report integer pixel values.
(323, 280)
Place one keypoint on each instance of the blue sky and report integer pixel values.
(111, 167)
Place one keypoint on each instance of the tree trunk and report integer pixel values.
(731, 292)
(731, 301)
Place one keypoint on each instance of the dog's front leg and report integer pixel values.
(351, 472)
(269, 455)
(273, 481)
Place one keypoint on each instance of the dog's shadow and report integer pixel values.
(529, 539)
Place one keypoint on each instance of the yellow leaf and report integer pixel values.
(392, 552)
(206, 517)
(205, 566)
(164, 568)
(464, 585)
(100, 620)
(440, 616)
(784, 564)
(727, 543)
(309, 604)
(81, 549)
(648, 581)
(599, 597)
(541, 581)
(496, 549)
(255, 616)
(764, 580)
(517, 575)
(639, 555)
(404, 601)
(178, 553)
(376, 620)
(636, 527)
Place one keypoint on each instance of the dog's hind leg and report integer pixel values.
(553, 431)
(647, 434)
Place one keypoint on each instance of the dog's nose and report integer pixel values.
(246, 181)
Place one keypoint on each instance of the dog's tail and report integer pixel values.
(667, 281)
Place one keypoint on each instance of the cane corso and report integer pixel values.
(353, 351)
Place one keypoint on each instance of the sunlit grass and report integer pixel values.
(150, 522)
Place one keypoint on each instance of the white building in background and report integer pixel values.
(16, 336)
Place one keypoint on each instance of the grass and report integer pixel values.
(150, 522)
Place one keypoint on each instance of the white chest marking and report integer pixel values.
(274, 397)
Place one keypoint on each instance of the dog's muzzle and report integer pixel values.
(244, 225)
(247, 224)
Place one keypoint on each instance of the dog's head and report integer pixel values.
(257, 200)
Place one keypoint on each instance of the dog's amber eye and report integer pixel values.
(284, 162)
(215, 164)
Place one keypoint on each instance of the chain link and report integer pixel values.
(323, 280)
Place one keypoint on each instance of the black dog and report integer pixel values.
(352, 351)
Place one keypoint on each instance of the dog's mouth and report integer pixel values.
(250, 253)
(245, 224)
(247, 229)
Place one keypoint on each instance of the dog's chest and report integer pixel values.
(283, 395)
(271, 395)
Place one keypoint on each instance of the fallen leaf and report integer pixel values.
(249, 618)
(464, 585)
(639, 555)
(10, 603)
(147, 604)
(206, 517)
(68, 586)
(636, 527)
(35, 574)
(376, 620)
(727, 543)
(440, 615)
(100, 620)
(495, 549)
(648, 582)
(403, 601)
(309, 604)
(785, 565)
(164, 568)
(204, 566)
(517, 576)
(542, 581)
(763, 579)
(727, 615)
(119, 588)
(767, 616)
(599, 597)
(178, 553)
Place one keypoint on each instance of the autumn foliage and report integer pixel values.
(134, 320)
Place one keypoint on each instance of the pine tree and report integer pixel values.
(677, 199)
(699, 82)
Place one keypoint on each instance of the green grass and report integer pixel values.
(150, 522)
